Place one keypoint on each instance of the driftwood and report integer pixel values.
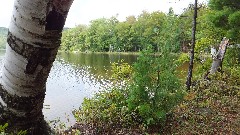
(218, 57)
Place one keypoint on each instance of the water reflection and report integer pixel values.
(99, 63)
(75, 76)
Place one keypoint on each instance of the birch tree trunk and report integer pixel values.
(33, 41)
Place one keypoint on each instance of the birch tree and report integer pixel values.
(32, 44)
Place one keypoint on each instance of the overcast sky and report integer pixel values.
(83, 11)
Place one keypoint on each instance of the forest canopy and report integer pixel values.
(217, 19)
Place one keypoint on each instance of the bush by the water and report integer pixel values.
(150, 94)
(155, 89)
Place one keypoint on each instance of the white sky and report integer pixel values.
(83, 11)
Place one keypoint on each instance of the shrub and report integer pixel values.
(232, 57)
(183, 57)
(150, 93)
(155, 88)
(121, 72)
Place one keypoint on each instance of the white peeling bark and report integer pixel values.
(33, 40)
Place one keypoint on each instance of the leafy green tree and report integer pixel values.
(226, 15)
(97, 34)
(154, 90)
(123, 37)
(74, 39)
(169, 35)
(101, 34)
(146, 29)
(207, 34)
(186, 26)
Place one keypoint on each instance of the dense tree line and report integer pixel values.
(155, 29)
(134, 34)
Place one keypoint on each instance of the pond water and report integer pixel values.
(74, 77)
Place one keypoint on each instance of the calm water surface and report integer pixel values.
(74, 77)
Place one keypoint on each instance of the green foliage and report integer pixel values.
(121, 71)
(232, 57)
(134, 34)
(74, 39)
(234, 19)
(207, 33)
(150, 94)
(101, 33)
(203, 44)
(226, 15)
(182, 58)
(4, 127)
(155, 89)
(203, 59)
(105, 110)
(170, 34)
(152, 89)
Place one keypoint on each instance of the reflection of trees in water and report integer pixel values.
(73, 73)
(98, 64)
(67, 86)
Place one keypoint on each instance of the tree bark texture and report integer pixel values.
(218, 58)
(33, 41)
(190, 69)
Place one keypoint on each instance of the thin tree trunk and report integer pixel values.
(189, 77)
(33, 41)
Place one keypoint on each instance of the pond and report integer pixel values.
(74, 77)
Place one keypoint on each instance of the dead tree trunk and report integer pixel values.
(218, 59)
